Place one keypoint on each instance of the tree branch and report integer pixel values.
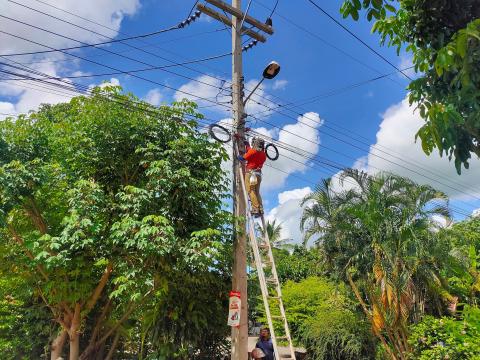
(20, 241)
(98, 290)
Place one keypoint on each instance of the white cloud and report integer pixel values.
(476, 213)
(295, 194)
(6, 109)
(288, 213)
(279, 84)
(397, 137)
(215, 90)
(112, 82)
(306, 140)
(154, 97)
(27, 95)
(107, 12)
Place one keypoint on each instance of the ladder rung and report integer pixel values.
(272, 281)
(277, 317)
(283, 338)
(274, 297)
(263, 246)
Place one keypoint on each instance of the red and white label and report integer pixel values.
(234, 307)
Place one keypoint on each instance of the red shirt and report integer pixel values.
(255, 159)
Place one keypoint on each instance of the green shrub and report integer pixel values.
(447, 338)
(324, 319)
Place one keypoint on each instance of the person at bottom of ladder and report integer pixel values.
(255, 158)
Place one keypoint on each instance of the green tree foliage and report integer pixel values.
(274, 232)
(444, 38)
(378, 237)
(298, 264)
(21, 318)
(323, 318)
(102, 201)
(447, 338)
(464, 275)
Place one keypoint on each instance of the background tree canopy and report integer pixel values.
(106, 203)
(444, 38)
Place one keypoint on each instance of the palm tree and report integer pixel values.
(378, 237)
(274, 232)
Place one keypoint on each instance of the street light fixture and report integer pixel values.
(269, 73)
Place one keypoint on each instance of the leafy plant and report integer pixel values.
(443, 37)
(447, 338)
(323, 318)
(378, 237)
(102, 201)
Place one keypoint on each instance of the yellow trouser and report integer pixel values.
(254, 193)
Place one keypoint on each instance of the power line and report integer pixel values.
(347, 133)
(110, 67)
(135, 70)
(327, 43)
(274, 9)
(174, 73)
(87, 45)
(357, 147)
(288, 148)
(358, 38)
(128, 51)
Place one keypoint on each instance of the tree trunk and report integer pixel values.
(74, 334)
(57, 345)
(74, 346)
(113, 346)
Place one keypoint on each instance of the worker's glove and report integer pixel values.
(240, 158)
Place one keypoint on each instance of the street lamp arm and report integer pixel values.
(251, 93)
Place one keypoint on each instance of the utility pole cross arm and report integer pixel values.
(239, 14)
(222, 18)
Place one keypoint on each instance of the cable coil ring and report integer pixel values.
(277, 154)
(213, 135)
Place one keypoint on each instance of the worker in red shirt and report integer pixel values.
(255, 158)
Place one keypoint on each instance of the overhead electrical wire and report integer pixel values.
(357, 37)
(109, 67)
(347, 133)
(454, 209)
(322, 162)
(129, 51)
(121, 71)
(151, 68)
(326, 42)
(354, 146)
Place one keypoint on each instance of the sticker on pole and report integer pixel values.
(234, 307)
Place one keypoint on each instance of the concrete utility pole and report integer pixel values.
(240, 334)
(239, 282)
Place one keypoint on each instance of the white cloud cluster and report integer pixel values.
(279, 84)
(288, 213)
(154, 97)
(297, 141)
(397, 137)
(27, 95)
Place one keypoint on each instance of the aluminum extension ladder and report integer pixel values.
(269, 285)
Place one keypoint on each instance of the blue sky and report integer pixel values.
(315, 62)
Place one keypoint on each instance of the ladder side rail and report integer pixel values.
(279, 290)
(260, 272)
